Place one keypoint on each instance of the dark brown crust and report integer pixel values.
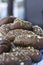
(6, 20)
(5, 46)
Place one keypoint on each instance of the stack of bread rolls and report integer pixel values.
(20, 42)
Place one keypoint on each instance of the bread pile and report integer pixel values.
(20, 42)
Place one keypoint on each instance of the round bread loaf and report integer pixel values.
(13, 33)
(29, 40)
(14, 58)
(34, 54)
(21, 24)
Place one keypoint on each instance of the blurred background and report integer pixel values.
(12, 7)
(31, 10)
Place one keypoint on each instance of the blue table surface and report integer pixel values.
(41, 62)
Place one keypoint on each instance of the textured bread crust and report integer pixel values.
(38, 30)
(21, 24)
(6, 20)
(12, 34)
(29, 40)
(34, 54)
(4, 29)
(14, 58)
(5, 46)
